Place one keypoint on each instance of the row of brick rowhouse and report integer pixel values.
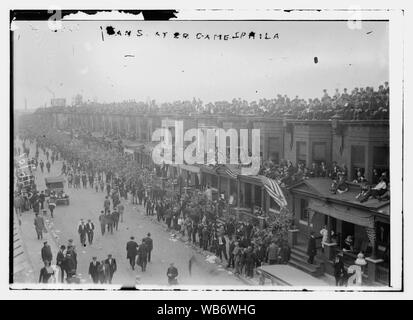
(359, 145)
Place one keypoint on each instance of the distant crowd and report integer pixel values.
(357, 104)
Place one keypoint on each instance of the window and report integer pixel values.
(273, 149)
(304, 210)
(357, 160)
(319, 152)
(381, 157)
(301, 152)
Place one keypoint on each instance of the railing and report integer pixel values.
(382, 275)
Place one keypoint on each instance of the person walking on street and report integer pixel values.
(42, 199)
(52, 204)
(111, 262)
(115, 217)
(109, 222)
(103, 272)
(94, 270)
(82, 232)
(121, 209)
(60, 262)
(172, 273)
(46, 252)
(143, 255)
(48, 166)
(311, 248)
(41, 165)
(96, 184)
(149, 245)
(102, 220)
(106, 204)
(90, 227)
(39, 226)
(131, 251)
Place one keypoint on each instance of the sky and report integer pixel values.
(81, 58)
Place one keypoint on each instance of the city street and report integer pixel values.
(87, 204)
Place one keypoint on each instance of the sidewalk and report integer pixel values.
(32, 246)
(22, 271)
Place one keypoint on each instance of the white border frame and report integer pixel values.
(397, 69)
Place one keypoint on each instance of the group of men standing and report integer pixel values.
(142, 251)
(103, 271)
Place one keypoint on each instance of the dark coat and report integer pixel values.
(339, 269)
(47, 253)
(60, 259)
(112, 266)
(131, 249)
(311, 248)
(142, 254)
(82, 230)
(90, 228)
(149, 243)
(94, 269)
(172, 272)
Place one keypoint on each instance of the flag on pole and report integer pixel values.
(274, 190)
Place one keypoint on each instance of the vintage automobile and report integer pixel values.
(55, 185)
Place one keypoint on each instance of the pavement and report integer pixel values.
(87, 204)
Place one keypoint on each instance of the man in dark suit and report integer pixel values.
(222, 247)
(143, 255)
(60, 262)
(94, 270)
(90, 227)
(109, 222)
(46, 252)
(82, 232)
(115, 217)
(131, 251)
(111, 262)
(149, 246)
(311, 249)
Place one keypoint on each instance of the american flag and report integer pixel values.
(274, 191)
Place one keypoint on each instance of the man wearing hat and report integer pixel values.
(90, 227)
(311, 248)
(60, 261)
(131, 251)
(46, 252)
(94, 270)
(111, 262)
(82, 232)
(149, 245)
(39, 226)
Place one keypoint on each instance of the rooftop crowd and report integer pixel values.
(359, 104)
